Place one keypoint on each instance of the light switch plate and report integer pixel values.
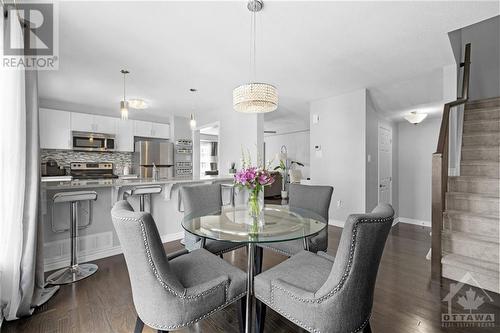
(315, 118)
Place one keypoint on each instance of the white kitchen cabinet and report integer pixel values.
(151, 130)
(161, 131)
(143, 128)
(56, 127)
(93, 123)
(82, 122)
(125, 135)
(55, 132)
(104, 124)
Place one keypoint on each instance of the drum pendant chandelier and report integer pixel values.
(255, 97)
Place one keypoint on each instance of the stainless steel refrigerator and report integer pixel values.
(153, 152)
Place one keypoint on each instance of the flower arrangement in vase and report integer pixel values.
(253, 179)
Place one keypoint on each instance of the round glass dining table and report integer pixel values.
(234, 224)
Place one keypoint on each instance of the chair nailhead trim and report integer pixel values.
(229, 249)
(363, 324)
(277, 250)
(164, 285)
(301, 324)
(157, 275)
(235, 247)
(337, 287)
(157, 326)
(289, 317)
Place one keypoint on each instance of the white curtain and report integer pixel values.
(21, 258)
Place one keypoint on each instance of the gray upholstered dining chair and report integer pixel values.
(172, 292)
(311, 198)
(321, 293)
(202, 198)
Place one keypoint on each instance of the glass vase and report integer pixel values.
(256, 204)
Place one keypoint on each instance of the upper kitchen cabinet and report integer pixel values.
(161, 131)
(82, 122)
(105, 124)
(142, 128)
(151, 130)
(92, 123)
(55, 129)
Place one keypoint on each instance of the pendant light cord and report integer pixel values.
(124, 98)
(253, 46)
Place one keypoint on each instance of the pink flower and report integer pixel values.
(252, 177)
(265, 178)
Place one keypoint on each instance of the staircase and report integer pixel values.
(470, 235)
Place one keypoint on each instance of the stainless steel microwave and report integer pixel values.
(88, 141)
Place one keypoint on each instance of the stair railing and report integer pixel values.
(440, 170)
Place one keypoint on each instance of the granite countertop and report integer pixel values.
(117, 182)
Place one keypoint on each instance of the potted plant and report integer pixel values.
(233, 168)
(284, 167)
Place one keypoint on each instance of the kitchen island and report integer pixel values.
(99, 240)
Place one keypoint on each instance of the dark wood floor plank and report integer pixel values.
(405, 300)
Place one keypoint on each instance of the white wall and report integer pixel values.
(485, 56)
(297, 144)
(417, 143)
(237, 131)
(179, 128)
(341, 163)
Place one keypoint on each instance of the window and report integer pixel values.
(205, 158)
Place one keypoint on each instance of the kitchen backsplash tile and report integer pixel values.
(65, 157)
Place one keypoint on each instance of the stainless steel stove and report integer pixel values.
(92, 170)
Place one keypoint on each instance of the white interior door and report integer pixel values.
(384, 165)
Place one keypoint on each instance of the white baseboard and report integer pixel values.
(95, 254)
(413, 221)
(60, 262)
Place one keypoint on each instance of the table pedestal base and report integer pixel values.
(250, 271)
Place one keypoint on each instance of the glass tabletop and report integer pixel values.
(234, 224)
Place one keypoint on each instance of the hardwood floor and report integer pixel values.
(405, 300)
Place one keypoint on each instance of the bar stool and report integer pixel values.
(142, 191)
(75, 271)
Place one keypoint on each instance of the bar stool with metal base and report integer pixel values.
(75, 271)
(142, 191)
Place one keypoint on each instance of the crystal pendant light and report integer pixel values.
(124, 102)
(255, 97)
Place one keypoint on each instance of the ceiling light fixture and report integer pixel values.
(415, 118)
(138, 103)
(192, 120)
(124, 103)
(255, 97)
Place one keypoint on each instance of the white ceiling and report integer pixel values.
(309, 50)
